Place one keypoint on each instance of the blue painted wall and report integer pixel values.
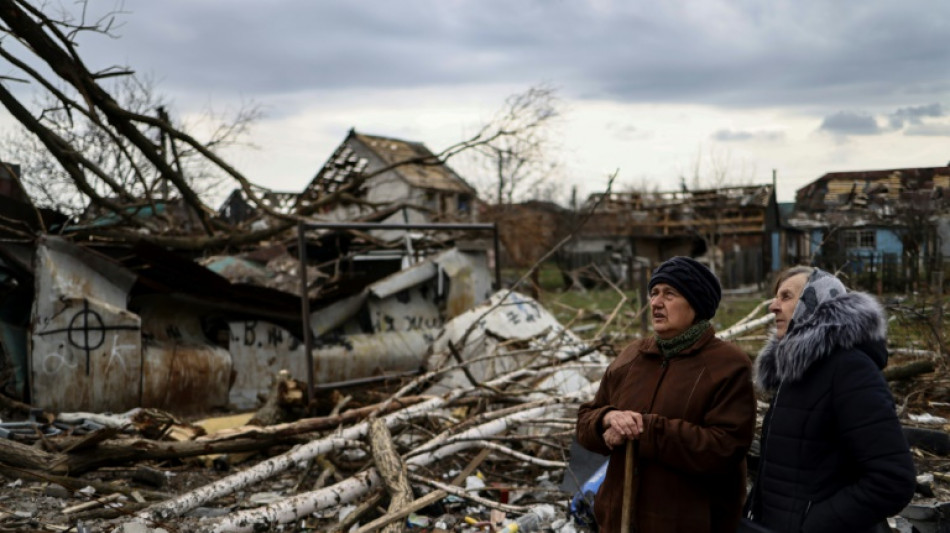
(776, 253)
(888, 242)
(816, 238)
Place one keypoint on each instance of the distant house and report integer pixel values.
(729, 228)
(10, 183)
(237, 208)
(885, 227)
(396, 172)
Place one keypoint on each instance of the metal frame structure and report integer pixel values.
(302, 227)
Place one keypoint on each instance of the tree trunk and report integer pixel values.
(275, 465)
(391, 468)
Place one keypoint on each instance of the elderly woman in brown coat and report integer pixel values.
(685, 400)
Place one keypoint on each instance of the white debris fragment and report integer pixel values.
(927, 418)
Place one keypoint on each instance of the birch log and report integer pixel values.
(299, 455)
(345, 491)
(391, 468)
(265, 469)
(752, 314)
(735, 331)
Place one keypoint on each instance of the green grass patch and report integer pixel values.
(911, 323)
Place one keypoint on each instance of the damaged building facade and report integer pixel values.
(101, 325)
(888, 229)
(731, 229)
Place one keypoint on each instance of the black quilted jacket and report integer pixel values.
(834, 458)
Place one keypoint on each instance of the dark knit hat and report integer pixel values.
(694, 281)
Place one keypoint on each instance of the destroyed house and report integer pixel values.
(731, 229)
(238, 208)
(395, 172)
(111, 324)
(887, 228)
(110, 327)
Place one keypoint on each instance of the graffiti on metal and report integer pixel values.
(267, 335)
(87, 332)
(85, 350)
(260, 350)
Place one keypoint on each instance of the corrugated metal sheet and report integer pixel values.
(412, 309)
(368, 355)
(87, 351)
(335, 314)
(85, 346)
(182, 371)
(385, 329)
(404, 279)
(260, 350)
(393, 306)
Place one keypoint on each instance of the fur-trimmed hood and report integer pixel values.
(840, 322)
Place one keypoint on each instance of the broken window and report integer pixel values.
(860, 238)
(464, 201)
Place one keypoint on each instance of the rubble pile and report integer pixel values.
(478, 441)
(481, 439)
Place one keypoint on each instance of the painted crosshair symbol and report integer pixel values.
(87, 331)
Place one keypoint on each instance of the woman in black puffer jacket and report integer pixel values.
(833, 457)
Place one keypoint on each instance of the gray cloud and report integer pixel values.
(718, 52)
(929, 130)
(850, 123)
(914, 115)
(726, 135)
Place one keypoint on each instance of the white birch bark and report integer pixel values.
(735, 331)
(299, 455)
(265, 469)
(351, 488)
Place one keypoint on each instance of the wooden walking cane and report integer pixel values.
(627, 489)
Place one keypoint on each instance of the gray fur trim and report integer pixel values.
(838, 323)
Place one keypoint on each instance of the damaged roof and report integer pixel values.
(350, 159)
(734, 210)
(742, 196)
(872, 188)
(424, 176)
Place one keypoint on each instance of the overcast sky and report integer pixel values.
(650, 88)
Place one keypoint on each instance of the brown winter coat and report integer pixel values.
(699, 418)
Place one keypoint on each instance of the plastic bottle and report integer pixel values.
(533, 520)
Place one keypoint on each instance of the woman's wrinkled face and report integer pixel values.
(670, 310)
(786, 298)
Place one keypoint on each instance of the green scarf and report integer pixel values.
(672, 347)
